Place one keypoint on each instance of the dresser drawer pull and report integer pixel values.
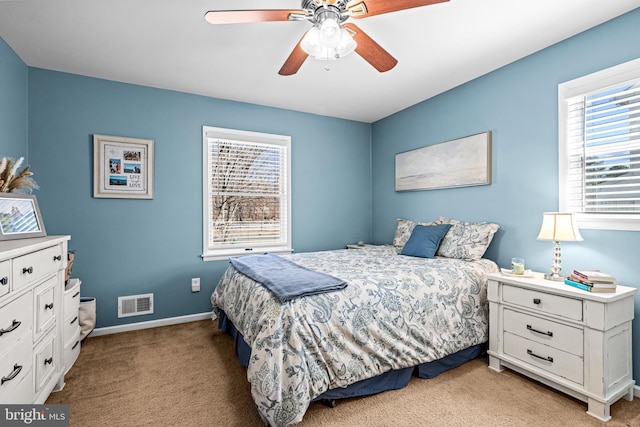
(75, 345)
(548, 333)
(49, 306)
(4, 280)
(74, 320)
(76, 294)
(536, 301)
(546, 359)
(26, 270)
(13, 327)
(57, 258)
(16, 370)
(48, 361)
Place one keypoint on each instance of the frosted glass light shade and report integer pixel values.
(314, 45)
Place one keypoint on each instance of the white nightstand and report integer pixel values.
(572, 340)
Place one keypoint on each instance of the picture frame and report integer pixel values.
(20, 217)
(122, 167)
(460, 162)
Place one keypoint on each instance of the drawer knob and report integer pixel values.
(48, 361)
(536, 301)
(48, 306)
(546, 359)
(57, 258)
(76, 294)
(75, 345)
(4, 280)
(28, 270)
(548, 333)
(13, 327)
(74, 320)
(16, 370)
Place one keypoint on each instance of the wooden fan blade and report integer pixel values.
(294, 61)
(366, 8)
(246, 16)
(371, 51)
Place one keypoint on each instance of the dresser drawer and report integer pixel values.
(45, 361)
(71, 352)
(550, 359)
(71, 328)
(72, 299)
(36, 265)
(45, 307)
(14, 367)
(557, 305)
(5, 277)
(18, 393)
(543, 331)
(16, 321)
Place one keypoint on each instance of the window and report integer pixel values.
(599, 142)
(247, 197)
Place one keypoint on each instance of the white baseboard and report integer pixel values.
(150, 324)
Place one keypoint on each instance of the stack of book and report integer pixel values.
(591, 281)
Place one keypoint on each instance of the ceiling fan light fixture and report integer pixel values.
(312, 44)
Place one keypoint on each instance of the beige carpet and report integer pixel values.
(188, 375)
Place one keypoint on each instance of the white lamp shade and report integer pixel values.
(559, 227)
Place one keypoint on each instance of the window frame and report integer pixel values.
(597, 81)
(210, 253)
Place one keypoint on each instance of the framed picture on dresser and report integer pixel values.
(20, 217)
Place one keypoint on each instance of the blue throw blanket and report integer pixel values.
(286, 279)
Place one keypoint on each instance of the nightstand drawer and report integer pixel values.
(547, 332)
(557, 305)
(550, 359)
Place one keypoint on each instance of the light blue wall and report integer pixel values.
(519, 104)
(127, 247)
(13, 104)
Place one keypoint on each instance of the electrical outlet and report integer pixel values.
(195, 284)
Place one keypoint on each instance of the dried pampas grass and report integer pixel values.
(13, 181)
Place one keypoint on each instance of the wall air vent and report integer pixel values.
(135, 305)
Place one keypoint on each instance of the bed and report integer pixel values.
(398, 313)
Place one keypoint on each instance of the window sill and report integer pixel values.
(609, 222)
(224, 256)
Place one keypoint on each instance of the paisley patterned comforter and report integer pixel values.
(397, 311)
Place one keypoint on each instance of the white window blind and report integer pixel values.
(247, 193)
(604, 150)
(600, 148)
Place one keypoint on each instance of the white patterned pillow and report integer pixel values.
(403, 232)
(466, 240)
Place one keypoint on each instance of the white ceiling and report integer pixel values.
(168, 44)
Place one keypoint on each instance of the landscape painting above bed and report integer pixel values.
(461, 162)
(395, 313)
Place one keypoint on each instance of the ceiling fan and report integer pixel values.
(330, 37)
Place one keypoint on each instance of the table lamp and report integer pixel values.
(558, 227)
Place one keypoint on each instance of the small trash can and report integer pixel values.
(87, 316)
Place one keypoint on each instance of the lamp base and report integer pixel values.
(554, 277)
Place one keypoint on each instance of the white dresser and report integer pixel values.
(31, 318)
(575, 341)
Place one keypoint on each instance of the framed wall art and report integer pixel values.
(20, 217)
(458, 163)
(122, 167)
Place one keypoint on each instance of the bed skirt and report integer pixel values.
(391, 380)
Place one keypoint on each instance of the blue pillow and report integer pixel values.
(424, 240)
